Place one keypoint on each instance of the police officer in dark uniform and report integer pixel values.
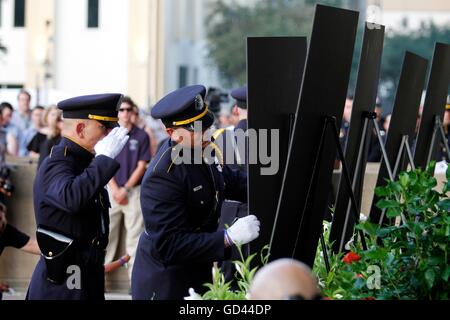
(181, 203)
(233, 145)
(71, 203)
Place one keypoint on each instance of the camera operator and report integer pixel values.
(6, 186)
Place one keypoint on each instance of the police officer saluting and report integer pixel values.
(181, 204)
(71, 203)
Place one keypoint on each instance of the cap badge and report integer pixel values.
(199, 104)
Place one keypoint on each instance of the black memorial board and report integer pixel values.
(434, 104)
(302, 205)
(275, 70)
(403, 119)
(364, 101)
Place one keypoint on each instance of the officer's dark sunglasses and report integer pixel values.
(191, 127)
(126, 109)
(188, 127)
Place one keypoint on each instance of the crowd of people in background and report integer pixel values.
(384, 120)
(32, 131)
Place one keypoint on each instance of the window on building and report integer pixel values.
(195, 77)
(11, 86)
(93, 13)
(19, 13)
(182, 76)
(1, 5)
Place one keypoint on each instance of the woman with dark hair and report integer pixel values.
(42, 143)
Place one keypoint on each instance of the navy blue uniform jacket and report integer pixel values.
(181, 206)
(70, 198)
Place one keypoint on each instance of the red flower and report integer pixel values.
(360, 276)
(369, 298)
(351, 257)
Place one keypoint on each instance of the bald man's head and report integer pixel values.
(282, 279)
(70, 124)
(84, 132)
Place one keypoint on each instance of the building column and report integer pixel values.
(146, 51)
(39, 24)
(157, 51)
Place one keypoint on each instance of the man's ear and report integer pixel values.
(174, 135)
(79, 129)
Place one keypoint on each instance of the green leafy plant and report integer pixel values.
(343, 281)
(219, 289)
(411, 251)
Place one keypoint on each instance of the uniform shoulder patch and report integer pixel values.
(164, 160)
(59, 152)
(217, 133)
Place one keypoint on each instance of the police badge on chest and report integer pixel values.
(133, 144)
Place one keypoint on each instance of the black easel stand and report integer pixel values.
(370, 117)
(404, 146)
(438, 130)
(331, 121)
(360, 171)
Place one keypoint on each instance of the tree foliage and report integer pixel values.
(421, 42)
(230, 23)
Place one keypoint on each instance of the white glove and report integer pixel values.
(193, 295)
(244, 230)
(113, 143)
(441, 167)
